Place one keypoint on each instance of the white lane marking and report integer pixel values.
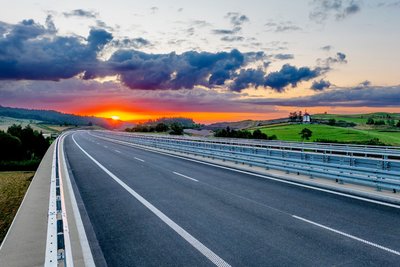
(117, 151)
(251, 173)
(214, 258)
(184, 176)
(87, 253)
(138, 159)
(106, 146)
(348, 235)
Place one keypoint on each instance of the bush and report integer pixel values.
(332, 122)
(177, 128)
(370, 121)
(305, 134)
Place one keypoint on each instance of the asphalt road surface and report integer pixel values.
(144, 208)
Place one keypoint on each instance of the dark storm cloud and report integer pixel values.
(326, 63)
(225, 31)
(339, 9)
(81, 13)
(365, 83)
(320, 85)
(237, 19)
(283, 26)
(249, 77)
(284, 56)
(31, 51)
(131, 43)
(51, 27)
(140, 70)
(290, 75)
(232, 38)
(343, 97)
(154, 9)
(327, 48)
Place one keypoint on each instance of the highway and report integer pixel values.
(142, 208)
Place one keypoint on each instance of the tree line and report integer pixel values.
(174, 128)
(390, 122)
(22, 148)
(231, 133)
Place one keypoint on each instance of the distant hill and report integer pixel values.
(55, 117)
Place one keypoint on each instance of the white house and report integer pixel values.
(306, 118)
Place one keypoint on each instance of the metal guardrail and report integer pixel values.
(58, 246)
(333, 148)
(376, 167)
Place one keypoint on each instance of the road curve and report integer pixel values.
(150, 209)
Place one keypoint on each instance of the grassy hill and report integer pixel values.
(360, 132)
(290, 132)
(360, 119)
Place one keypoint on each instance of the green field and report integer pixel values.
(13, 186)
(290, 132)
(359, 119)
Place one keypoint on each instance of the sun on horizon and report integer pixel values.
(115, 117)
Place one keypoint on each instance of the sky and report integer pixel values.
(208, 60)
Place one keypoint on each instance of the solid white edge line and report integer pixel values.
(86, 251)
(139, 159)
(214, 258)
(348, 235)
(184, 176)
(251, 173)
(67, 240)
(51, 252)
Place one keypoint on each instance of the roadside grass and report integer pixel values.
(290, 132)
(13, 186)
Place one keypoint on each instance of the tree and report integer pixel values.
(10, 147)
(398, 124)
(332, 122)
(257, 134)
(305, 134)
(161, 127)
(391, 122)
(177, 128)
(370, 121)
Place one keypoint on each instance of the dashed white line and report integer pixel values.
(184, 176)
(214, 258)
(348, 235)
(106, 146)
(139, 159)
(117, 151)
